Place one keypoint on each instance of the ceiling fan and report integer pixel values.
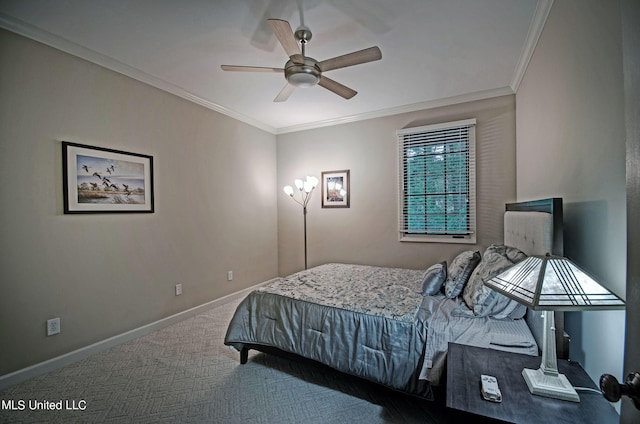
(304, 71)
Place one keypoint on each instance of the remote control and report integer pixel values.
(489, 388)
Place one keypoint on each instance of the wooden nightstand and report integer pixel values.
(465, 364)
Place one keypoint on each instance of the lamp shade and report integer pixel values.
(307, 186)
(313, 181)
(553, 283)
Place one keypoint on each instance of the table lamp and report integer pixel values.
(552, 283)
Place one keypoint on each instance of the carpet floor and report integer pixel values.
(184, 374)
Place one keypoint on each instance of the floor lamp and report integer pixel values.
(305, 188)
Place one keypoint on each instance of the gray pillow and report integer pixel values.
(434, 278)
(484, 301)
(459, 272)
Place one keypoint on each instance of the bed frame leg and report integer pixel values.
(244, 355)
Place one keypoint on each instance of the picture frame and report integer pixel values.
(335, 189)
(101, 180)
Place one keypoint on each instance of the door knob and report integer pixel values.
(613, 391)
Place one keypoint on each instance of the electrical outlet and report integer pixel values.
(229, 275)
(178, 289)
(53, 326)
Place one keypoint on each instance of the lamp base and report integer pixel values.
(553, 386)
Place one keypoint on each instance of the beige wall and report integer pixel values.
(215, 180)
(571, 144)
(367, 232)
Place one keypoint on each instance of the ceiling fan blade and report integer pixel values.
(250, 68)
(284, 34)
(336, 87)
(263, 35)
(285, 93)
(350, 59)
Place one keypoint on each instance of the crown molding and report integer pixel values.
(448, 101)
(29, 31)
(543, 8)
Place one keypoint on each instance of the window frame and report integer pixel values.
(470, 235)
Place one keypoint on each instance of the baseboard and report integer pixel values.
(52, 364)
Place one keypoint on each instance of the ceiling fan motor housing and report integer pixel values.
(302, 34)
(306, 74)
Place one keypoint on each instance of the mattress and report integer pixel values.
(372, 322)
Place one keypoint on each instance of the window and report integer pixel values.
(437, 182)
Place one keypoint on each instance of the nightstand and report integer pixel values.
(465, 364)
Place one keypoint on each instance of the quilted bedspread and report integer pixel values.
(386, 292)
(372, 322)
(358, 319)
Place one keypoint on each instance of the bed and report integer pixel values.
(392, 326)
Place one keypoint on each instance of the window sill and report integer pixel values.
(414, 238)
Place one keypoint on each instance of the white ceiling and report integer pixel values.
(433, 51)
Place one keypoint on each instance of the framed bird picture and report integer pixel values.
(99, 180)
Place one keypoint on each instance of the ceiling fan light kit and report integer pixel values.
(304, 75)
(303, 71)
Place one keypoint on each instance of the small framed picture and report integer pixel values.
(335, 189)
(99, 180)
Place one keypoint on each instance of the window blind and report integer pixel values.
(437, 180)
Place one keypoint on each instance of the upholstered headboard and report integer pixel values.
(535, 227)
